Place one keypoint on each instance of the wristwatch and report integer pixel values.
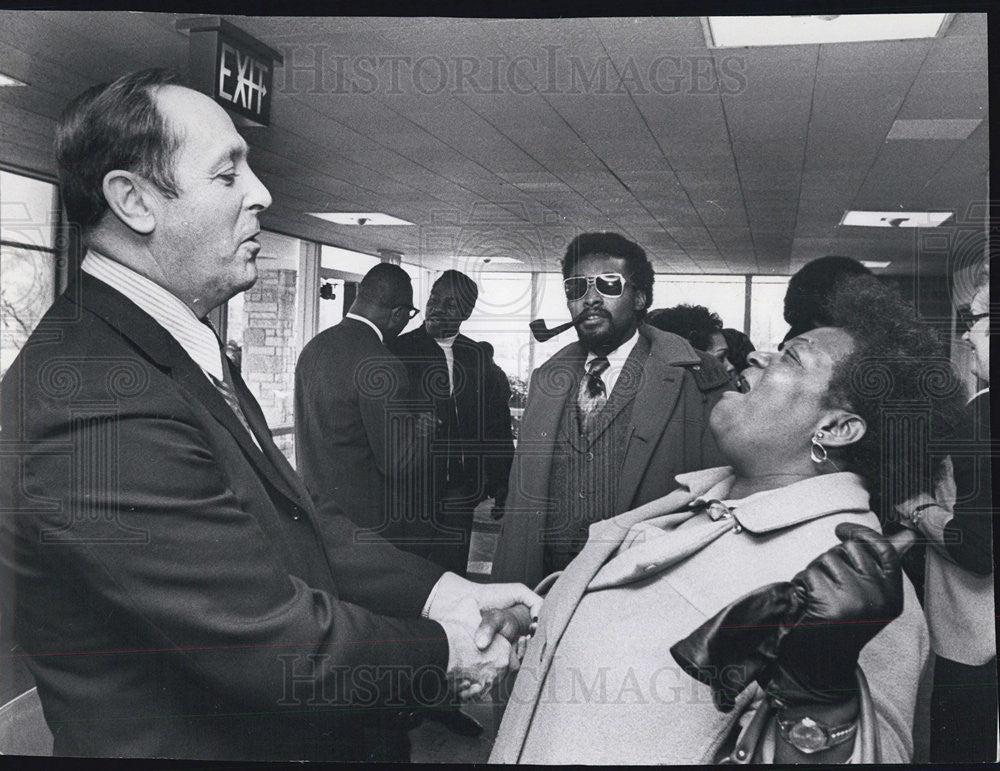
(809, 736)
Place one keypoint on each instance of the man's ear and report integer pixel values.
(131, 200)
(841, 428)
(641, 301)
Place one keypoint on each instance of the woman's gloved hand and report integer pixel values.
(848, 594)
(801, 639)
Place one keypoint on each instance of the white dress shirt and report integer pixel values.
(369, 322)
(170, 312)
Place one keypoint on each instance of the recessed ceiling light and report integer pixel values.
(7, 80)
(895, 219)
(733, 31)
(933, 128)
(876, 264)
(358, 218)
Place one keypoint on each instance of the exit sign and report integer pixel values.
(232, 67)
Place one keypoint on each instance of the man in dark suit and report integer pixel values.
(473, 446)
(162, 565)
(356, 430)
(610, 420)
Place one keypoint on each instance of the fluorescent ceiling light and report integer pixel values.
(876, 264)
(733, 31)
(499, 260)
(933, 128)
(7, 80)
(895, 219)
(358, 218)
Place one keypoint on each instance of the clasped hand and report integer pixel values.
(481, 622)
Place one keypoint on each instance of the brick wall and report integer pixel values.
(269, 352)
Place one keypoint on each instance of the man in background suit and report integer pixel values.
(473, 446)
(610, 420)
(356, 434)
(161, 563)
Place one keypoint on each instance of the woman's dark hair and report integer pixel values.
(739, 346)
(640, 269)
(113, 126)
(695, 323)
(900, 380)
(810, 288)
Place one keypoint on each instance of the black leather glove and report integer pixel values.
(850, 593)
(801, 639)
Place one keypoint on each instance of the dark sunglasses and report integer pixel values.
(967, 319)
(607, 284)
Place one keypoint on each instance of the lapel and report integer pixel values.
(560, 603)
(294, 487)
(157, 344)
(551, 385)
(468, 365)
(659, 389)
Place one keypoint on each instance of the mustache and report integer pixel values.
(591, 312)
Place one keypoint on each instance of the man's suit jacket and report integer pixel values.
(168, 578)
(477, 427)
(354, 431)
(669, 436)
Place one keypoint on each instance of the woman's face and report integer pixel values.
(720, 350)
(782, 406)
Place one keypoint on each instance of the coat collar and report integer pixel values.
(655, 540)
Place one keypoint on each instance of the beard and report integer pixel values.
(600, 339)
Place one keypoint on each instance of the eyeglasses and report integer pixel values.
(410, 310)
(607, 284)
(967, 319)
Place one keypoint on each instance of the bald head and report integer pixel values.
(385, 297)
(386, 285)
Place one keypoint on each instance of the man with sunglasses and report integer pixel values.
(353, 428)
(611, 419)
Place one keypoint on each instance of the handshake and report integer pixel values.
(487, 627)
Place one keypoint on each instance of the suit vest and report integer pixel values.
(586, 468)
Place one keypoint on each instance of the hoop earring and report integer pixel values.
(817, 453)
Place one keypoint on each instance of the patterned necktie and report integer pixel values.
(593, 394)
(225, 386)
(228, 391)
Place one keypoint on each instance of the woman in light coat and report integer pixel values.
(804, 440)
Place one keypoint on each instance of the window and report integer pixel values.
(725, 295)
(767, 305)
(29, 218)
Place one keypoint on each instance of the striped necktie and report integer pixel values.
(226, 388)
(593, 394)
(228, 391)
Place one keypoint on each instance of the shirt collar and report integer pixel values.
(369, 322)
(979, 393)
(197, 338)
(618, 356)
(446, 342)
